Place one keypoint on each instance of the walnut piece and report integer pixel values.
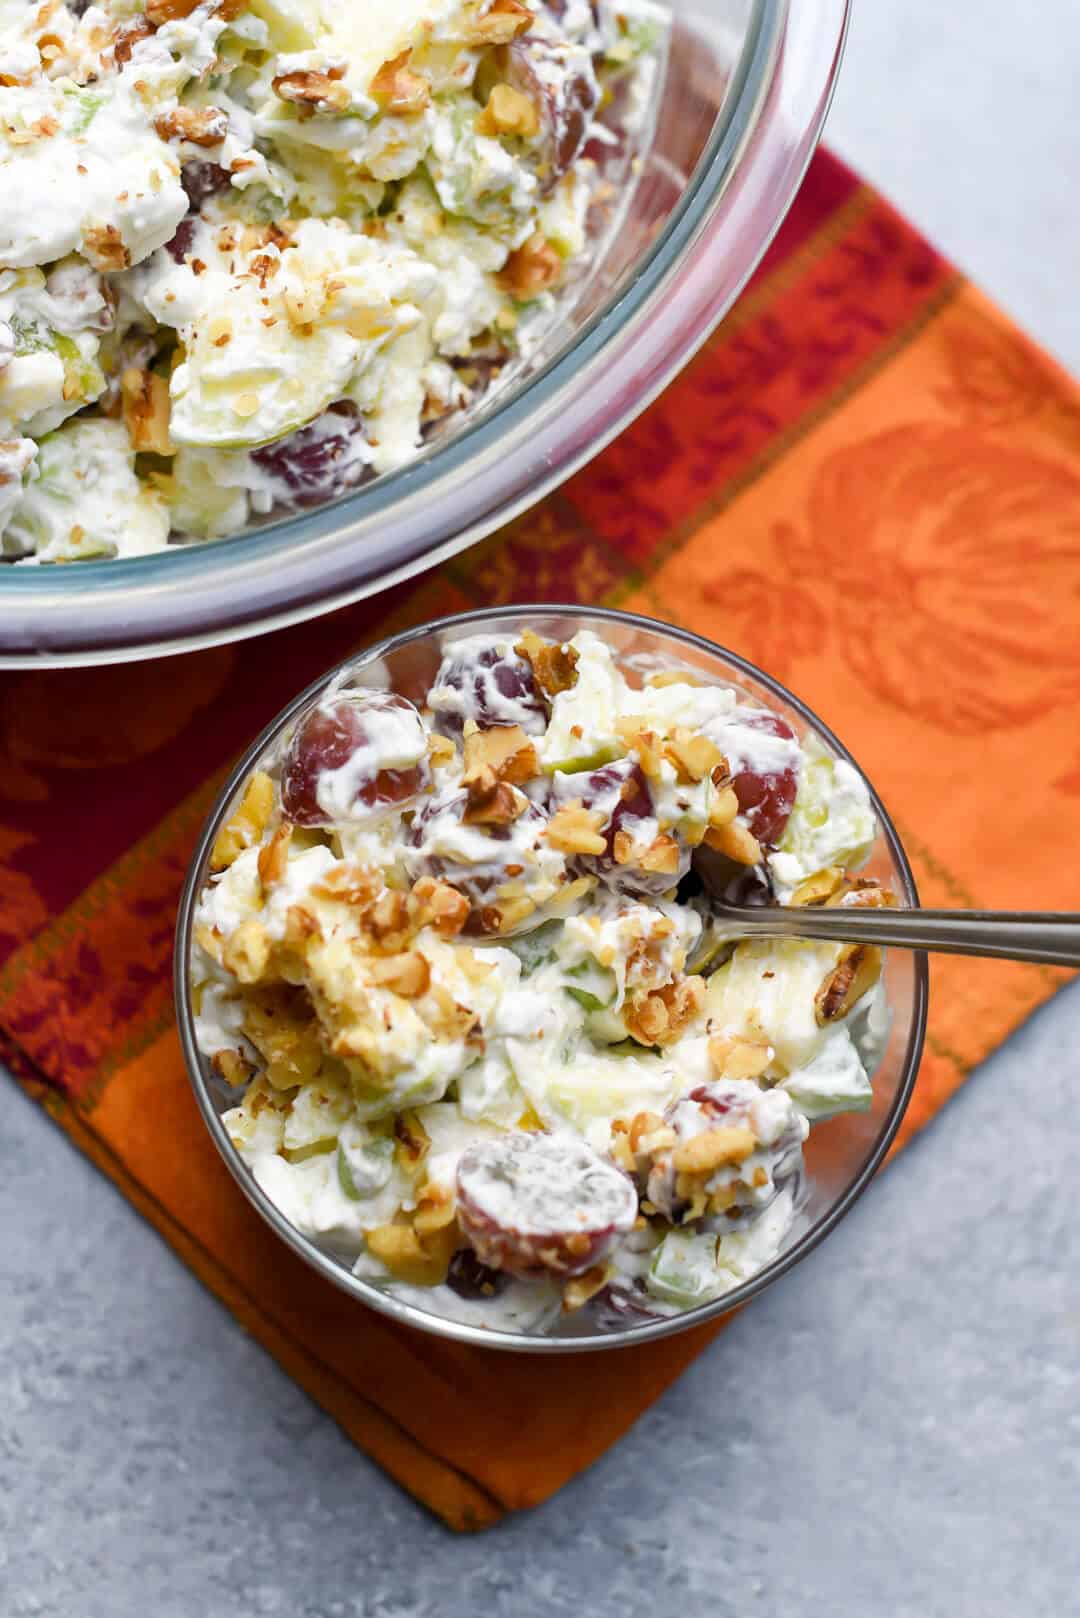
(508, 112)
(580, 1288)
(247, 952)
(502, 22)
(573, 829)
(694, 756)
(736, 842)
(731, 1056)
(408, 974)
(857, 970)
(397, 90)
(660, 1016)
(145, 404)
(202, 126)
(310, 90)
(413, 1139)
(441, 906)
(419, 1260)
(246, 825)
(274, 856)
(492, 802)
(104, 247)
(713, 1149)
(505, 750)
(531, 268)
(554, 667)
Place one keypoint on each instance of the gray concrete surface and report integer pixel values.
(892, 1432)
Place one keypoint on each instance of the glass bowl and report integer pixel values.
(841, 1154)
(747, 87)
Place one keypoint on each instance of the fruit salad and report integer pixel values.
(455, 966)
(254, 252)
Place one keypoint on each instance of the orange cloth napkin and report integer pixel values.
(869, 483)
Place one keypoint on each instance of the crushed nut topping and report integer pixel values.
(555, 667)
(398, 90)
(531, 268)
(857, 970)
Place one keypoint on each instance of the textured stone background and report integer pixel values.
(894, 1430)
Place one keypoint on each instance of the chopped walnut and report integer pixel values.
(274, 856)
(246, 825)
(202, 126)
(104, 247)
(639, 737)
(733, 1057)
(440, 906)
(407, 974)
(857, 970)
(309, 89)
(162, 11)
(145, 405)
(504, 749)
(508, 112)
(411, 1257)
(350, 884)
(660, 1016)
(693, 756)
(397, 89)
(580, 1288)
(713, 1149)
(816, 889)
(661, 856)
(390, 921)
(506, 914)
(412, 1138)
(441, 749)
(554, 667)
(723, 807)
(531, 268)
(247, 952)
(736, 842)
(502, 22)
(573, 829)
(492, 802)
(127, 36)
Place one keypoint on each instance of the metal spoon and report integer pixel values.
(1049, 936)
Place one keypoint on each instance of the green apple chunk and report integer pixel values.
(87, 500)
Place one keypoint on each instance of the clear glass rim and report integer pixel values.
(132, 621)
(336, 1272)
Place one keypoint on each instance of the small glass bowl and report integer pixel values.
(738, 116)
(841, 1154)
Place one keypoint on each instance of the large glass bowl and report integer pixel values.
(746, 90)
(841, 1154)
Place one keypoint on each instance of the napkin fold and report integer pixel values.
(868, 482)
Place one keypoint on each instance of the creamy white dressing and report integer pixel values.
(282, 239)
(523, 1096)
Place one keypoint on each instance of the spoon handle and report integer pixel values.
(1051, 937)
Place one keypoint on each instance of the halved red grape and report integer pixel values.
(201, 180)
(620, 792)
(488, 682)
(528, 1203)
(182, 240)
(357, 754)
(763, 754)
(317, 462)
